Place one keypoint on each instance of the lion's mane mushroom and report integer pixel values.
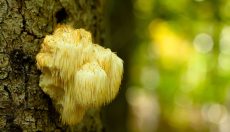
(76, 73)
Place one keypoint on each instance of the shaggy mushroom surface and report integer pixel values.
(76, 73)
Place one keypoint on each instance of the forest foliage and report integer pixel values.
(179, 76)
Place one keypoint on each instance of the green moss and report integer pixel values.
(4, 60)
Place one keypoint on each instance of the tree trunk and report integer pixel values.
(23, 25)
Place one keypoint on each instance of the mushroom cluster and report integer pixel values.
(77, 74)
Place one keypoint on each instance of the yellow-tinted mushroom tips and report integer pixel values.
(76, 73)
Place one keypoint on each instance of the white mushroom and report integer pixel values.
(76, 73)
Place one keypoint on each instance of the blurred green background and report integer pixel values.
(177, 65)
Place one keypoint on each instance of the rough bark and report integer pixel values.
(23, 25)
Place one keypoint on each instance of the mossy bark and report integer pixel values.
(23, 26)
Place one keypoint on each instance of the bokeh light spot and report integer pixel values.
(203, 43)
